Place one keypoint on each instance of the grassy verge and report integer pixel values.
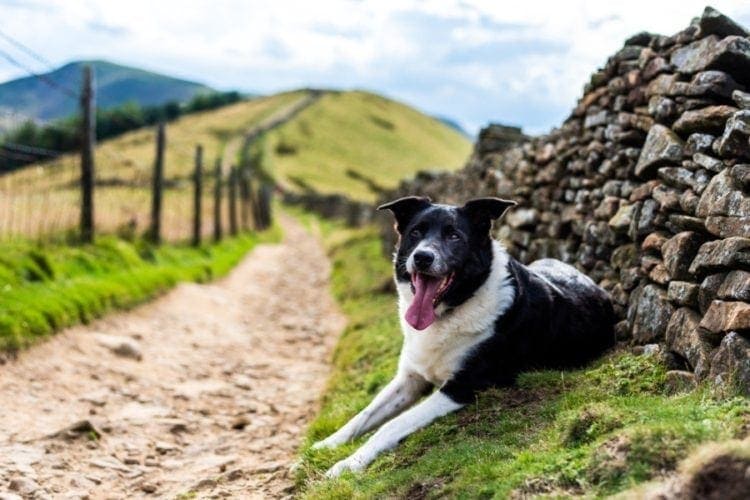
(595, 431)
(47, 287)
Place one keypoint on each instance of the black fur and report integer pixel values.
(560, 326)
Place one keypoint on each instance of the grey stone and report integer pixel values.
(712, 84)
(721, 254)
(652, 315)
(742, 99)
(730, 365)
(682, 337)
(741, 176)
(708, 290)
(661, 146)
(710, 119)
(699, 143)
(679, 177)
(683, 293)
(678, 222)
(722, 198)
(679, 381)
(734, 140)
(679, 252)
(731, 54)
(622, 219)
(662, 108)
(736, 286)
(713, 22)
(122, 346)
(708, 162)
(522, 217)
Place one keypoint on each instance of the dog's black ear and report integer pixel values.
(404, 209)
(482, 211)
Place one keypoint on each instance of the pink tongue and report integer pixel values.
(421, 314)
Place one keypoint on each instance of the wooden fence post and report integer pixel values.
(217, 201)
(265, 197)
(244, 183)
(154, 232)
(88, 140)
(198, 196)
(233, 181)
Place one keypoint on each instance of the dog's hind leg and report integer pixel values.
(387, 437)
(400, 393)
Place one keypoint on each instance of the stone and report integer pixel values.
(712, 84)
(723, 316)
(736, 286)
(689, 201)
(730, 365)
(662, 108)
(708, 162)
(647, 219)
(741, 176)
(678, 177)
(708, 290)
(122, 346)
(678, 222)
(522, 218)
(710, 119)
(679, 381)
(679, 252)
(698, 143)
(682, 336)
(734, 140)
(652, 315)
(643, 39)
(24, 486)
(721, 254)
(622, 219)
(726, 227)
(683, 293)
(742, 99)
(730, 54)
(713, 22)
(653, 242)
(722, 198)
(661, 146)
(655, 67)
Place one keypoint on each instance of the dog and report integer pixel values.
(472, 317)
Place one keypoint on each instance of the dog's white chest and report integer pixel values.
(436, 355)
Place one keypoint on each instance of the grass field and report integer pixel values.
(45, 287)
(593, 432)
(378, 138)
(43, 200)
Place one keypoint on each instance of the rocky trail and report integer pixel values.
(202, 393)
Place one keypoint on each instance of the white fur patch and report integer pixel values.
(551, 270)
(436, 352)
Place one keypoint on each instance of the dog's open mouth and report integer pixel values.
(428, 291)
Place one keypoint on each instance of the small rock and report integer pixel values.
(24, 486)
(726, 227)
(652, 314)
(148, 488)
(730, 365)
(122, 346)
(733, 142)
(654, 242)
(713, 22)
(622, 219)
(679, 222)
(522, 218)
(708, 162)
(741, 175)
(683, 293)
(679, 252)
(683, 337)
(742, 99)
(652, 349)
(722, 198)
(731, 54)
(708, 290)
(82, 428)
(710, 119)
(699, 143)
(679, 381)
(736, 286)
(721, 254)
(661, 146)
(723, 317)
(162, 447)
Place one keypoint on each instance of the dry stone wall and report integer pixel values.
(645, 187)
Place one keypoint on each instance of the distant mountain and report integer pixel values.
(454, 125)
(115, 85)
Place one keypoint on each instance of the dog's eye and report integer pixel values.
(416, 233)
(454, 236)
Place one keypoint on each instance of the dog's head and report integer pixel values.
(444, 251)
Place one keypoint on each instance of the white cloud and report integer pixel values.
(474, 60)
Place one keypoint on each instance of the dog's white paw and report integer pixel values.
(348, 464)
(331, 441)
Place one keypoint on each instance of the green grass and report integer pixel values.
(45, 287)
(595, 431)
(380, 139)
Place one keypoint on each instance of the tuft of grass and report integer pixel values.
(46, 287)
(381, 139)
(595, 431)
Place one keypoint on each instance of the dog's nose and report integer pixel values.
(423, 260)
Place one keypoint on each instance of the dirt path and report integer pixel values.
(229, 376)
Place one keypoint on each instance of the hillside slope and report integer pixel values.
(115, 85)
(379, 139)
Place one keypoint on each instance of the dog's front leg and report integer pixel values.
(401, 392)
(387, 437)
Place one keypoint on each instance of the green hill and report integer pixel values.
(348, 141)
(115, 85)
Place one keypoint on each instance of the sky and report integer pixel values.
(475, 61)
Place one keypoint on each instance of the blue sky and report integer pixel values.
(475, 61)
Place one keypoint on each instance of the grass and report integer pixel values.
(45, 287)
(595, 431)
(377, 138)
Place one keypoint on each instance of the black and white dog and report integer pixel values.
(472, 318)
